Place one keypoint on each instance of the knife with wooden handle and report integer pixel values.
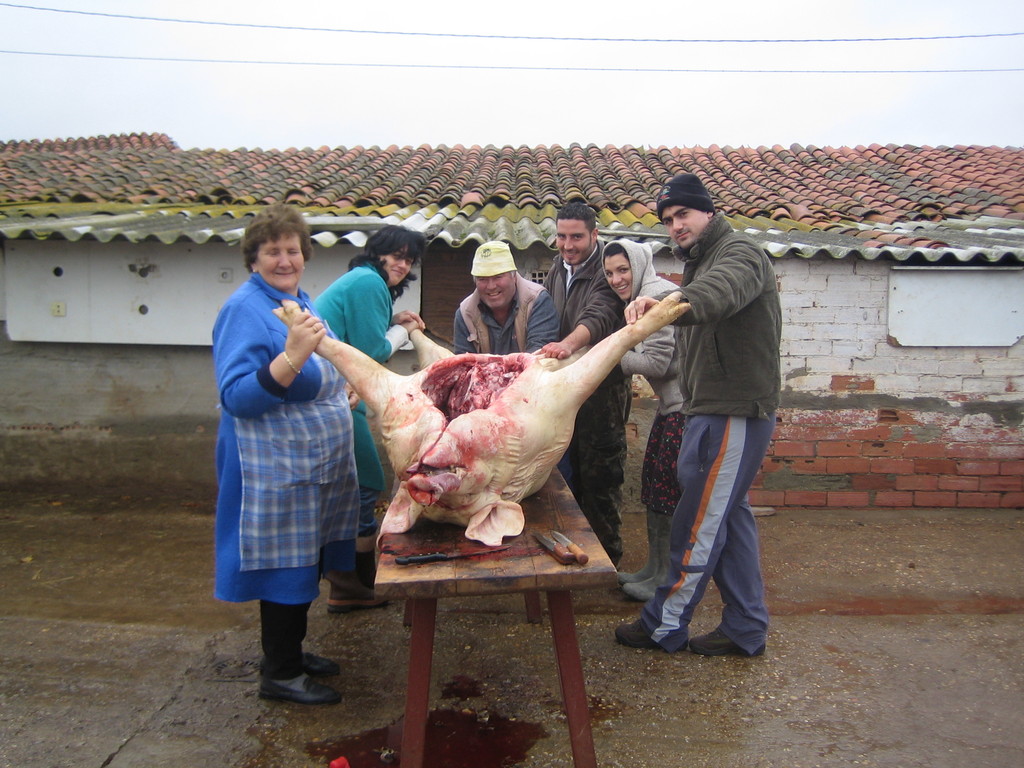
(581, 557)
(560, 552)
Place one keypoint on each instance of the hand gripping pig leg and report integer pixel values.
(374, 383)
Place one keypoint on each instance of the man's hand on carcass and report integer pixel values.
(556, 349)
(637, 307)
(560, 350)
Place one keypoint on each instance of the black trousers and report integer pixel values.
(598, 456)
(282, 630)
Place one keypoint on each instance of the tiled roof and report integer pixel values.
(927, 204)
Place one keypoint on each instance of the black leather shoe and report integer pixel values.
(301, 690)
(634, 635)
(717, 644)
(314, 666)
(318, 666)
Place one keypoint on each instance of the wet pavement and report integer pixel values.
(897, 639)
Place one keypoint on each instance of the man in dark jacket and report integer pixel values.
(731, 377)
(589, 311)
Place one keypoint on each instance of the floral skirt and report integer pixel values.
(659, 484)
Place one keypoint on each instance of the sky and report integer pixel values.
(516, 73)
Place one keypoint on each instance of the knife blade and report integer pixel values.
(434, 557)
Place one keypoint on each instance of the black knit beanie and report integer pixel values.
(685, 189)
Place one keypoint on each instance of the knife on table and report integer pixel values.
(560, 552)
(581, 557)
(434, 557)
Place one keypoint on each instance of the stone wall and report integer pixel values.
(867, 423)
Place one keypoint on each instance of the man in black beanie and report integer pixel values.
(686, 190)
(729, 346)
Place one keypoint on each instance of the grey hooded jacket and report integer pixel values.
(656, 358)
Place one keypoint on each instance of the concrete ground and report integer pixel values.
(897, 640)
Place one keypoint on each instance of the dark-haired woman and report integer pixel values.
(287, 498)
(358, 308)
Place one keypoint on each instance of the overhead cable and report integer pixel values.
(295, 28)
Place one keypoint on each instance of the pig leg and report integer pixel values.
(375, 384)
(582, 377)
(427, 352)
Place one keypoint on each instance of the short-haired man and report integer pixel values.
(506, 313)
(590, 311)
(730, 369)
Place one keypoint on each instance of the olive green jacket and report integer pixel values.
(730, 337)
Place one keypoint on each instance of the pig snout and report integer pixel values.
(427, 489)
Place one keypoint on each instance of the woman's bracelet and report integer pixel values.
(290, 363)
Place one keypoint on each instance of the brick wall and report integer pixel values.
(865, 423)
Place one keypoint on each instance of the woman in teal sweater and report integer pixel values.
(358, 308)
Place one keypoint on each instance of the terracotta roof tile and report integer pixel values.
(878, 193)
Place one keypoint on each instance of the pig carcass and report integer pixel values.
(471, 435)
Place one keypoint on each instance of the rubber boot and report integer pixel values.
(366, 560)
(366, 568)
(353, 590)
(659, 543)
(648, 570)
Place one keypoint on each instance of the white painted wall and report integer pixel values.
(91, 292)
(834, 316)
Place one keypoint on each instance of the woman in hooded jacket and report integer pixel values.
(629, 269)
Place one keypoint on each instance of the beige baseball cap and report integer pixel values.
(492, 258)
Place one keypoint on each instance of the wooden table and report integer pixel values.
(524, 567)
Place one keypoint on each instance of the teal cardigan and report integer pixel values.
(358, 307)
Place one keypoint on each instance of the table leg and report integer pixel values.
(534, 613)
(570, 676)
(417, 694)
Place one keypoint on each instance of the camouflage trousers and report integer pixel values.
(597, 455)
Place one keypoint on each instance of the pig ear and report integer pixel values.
(401, 515)
(496, 521)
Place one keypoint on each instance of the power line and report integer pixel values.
(292, 28)
(517, 68)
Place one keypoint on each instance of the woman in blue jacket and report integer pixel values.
(287, 495)
(358, 308)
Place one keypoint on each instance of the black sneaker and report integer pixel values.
(717, 644)
(634, 635)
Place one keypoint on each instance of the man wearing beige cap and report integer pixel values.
(506, 313)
